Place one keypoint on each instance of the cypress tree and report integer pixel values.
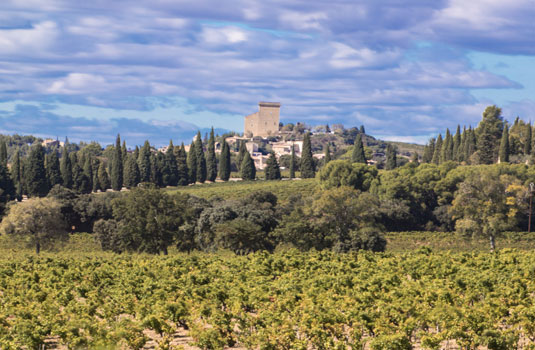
(358, 155)
(429, 149)
(35, 173)
(156, 163)
(456, 143)
(527, 140)
(96, 184)
(144, 162)
(438, 150)
(16, 174)
(66, 169)
(391, 158)
(136, 153)
(470, 147)
(7, 188)
(192, 163)
(248, 169)
(88, 171)
(201, 160)
(308, 169)
(241, 154)
(504, 146)
(170, 169)
(131, 172)
(415, 159)
(3, 154)
(461, 152)
(182, 166)
(53, 172)
(327, 157)
(292, 163)
(489, 131)
(272, 169)
(211, 161)
(117, 166)
(362, 130)
(124, 153)
(103, 177)
(224, 162)
(447, 145)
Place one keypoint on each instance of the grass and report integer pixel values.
(240, 189)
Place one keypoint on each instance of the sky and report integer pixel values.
(163, 69)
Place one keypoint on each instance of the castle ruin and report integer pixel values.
(265, 122)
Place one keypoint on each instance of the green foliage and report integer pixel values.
(103, 177)
(182, 166)
(170, 174)
(132, 175)
(66, 169)
(211, 160)
(200, 159)
(391, 158)
(343, 173)
(489, 131)
(144, 162)
(272, 170)
(293, 164)
(117, 166)
(247, 168)
(504, 146)
(357, 155)
(224, 162)
(308, 168)
(35, 180)
(53, 173)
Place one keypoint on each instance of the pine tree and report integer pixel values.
(3, 154)
(131, 172)
(156, 164)
(136, 153)
(272, 169)
(308, 169)
(241, 154)
(456, 143)
(201, 160)
(103, 177)
(96, 184)
(438, 150)
(124, 153)
(470, 146)
(117, 166)
(248, 169)
(461, 152)
(35, 173)
(527, 140)
(504, 146)
(182, 166)
(192, 163)
(53, 173)
(224, 162)
(358, 155)
(293, 163)
(327, 157)
(144, 162)
(447, 145)
(391, 158)
(66, 169)
(429, 149)
(211, 160)
(489, 131)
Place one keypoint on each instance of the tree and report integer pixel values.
(211, 160)
(131, 172)
(170, 168)
(241, 155)
(39, 219)
(103, 177)
(117, 166)
(308, 168)
(53, 172)
(66, 168)
(486, 203)
(429, 149)
(292, 163)
(438, 150)
(182, 166)
(224, 162)
(148, 220)
(248, 169)
(456, 143)
(344, 173)
(327, 157)
(144, 162)
(489, 131)
(504, 146)
(358, 156)
(7, 189)
(16, 174)
(362, 130)
(35, 173)
(527, 141)
(272, 169)
(391, 161)
(192, 163)
(88, 173)
(415, 159)
(3, 153)
(201, 160)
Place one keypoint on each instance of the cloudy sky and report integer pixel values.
(162, 69)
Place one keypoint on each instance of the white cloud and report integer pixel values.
(26, 41)
(302, 20)
(223, 35)
(76, 83)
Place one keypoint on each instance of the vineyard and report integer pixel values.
(286, 300)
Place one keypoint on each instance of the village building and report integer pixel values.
(285, 147)
(265, 122)
(52, 143)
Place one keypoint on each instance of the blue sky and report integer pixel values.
(162, 69)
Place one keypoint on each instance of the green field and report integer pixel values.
(239, 189)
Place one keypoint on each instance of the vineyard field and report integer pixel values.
(285, 300)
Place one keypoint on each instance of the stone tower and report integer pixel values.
(265, 122)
